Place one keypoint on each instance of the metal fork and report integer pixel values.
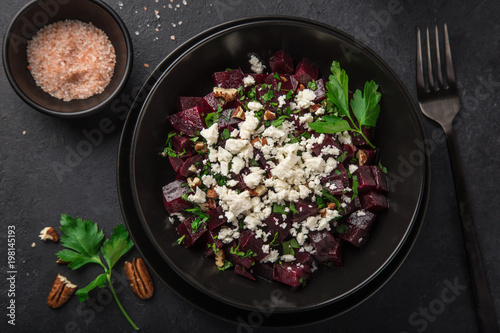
(441, 103)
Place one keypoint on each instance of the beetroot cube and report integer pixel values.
(245, 262)
(248, 241)
(176, 163)
(274, 223)
(328, 141)
(358, 140)
(194, 160)
(172, 197)
(241, 270)
(305, 208)
(337, 182)
(306, 72)
(226, 119)
(211, 102)
(189, 121)
(264, 270)
(210, 238)
(328, 249)
(182, 143)
(351, 152)
(366, 181)
(374, 201)
(355, 236)
(259, 78)
(228, 79)
(362, 219)
(281, 62)
(291, 274)
(304, 258)
(380, 179)
(184, 103)
(320, 91)
(190, 236)
(216, 218)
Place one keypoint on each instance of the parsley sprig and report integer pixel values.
(84, 240)
(364, 106)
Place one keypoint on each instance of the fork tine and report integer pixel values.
(429, 61)
(420, 69)
(438, 60)
(450, 73)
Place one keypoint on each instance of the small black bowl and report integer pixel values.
(38, 14)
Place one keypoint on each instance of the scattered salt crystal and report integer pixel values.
(172, 37)
(137, 33)
(170, 6)
(146, 65)
(180, 22)
(24, 132)
(173, 25)
(33, 245)
(184, 2)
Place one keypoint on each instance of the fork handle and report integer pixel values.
(484, 302)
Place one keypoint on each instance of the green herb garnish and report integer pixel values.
(355, 185)
(342, 228)
(312, 85)
(84, 240)
(225, 134)
(364, 105)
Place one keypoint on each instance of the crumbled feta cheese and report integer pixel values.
(234, 133)
(208, 180)
(211, 134)
(287, 258)
(281, 101)
(198, 197)
(256, 64)
(254, 178)
(344, 138)
(305, 98)
(224, 155)
(235, 146)
(224, 168)
(232, 183)
(271, 257)
(237, 165)
(265, 248)
(254, 106)
(248, 81)
(352, 168)
(248, 126)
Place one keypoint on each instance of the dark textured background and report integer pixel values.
(32, 196)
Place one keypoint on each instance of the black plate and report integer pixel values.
(141, 172)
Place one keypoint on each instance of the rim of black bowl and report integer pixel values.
(38, 107)
(126, 187)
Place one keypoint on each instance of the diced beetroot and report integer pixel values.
(303, 258)
(328, 141)
(184, 103)
(176, 163)
(358, 140)
(281, 62)
(291, 274)
(259, 78)
(228, 79)
(380, 179)
(189, 121)
(374, 201)
(248, 241)
(366, 181)
(211, 102)
(172, 197)
(355, 236)
(337, 182)
(305, 209)
(351, 152)
(216, 218)
(362, 219)
(274, 223)
(320, 91)
(194, 160)
(328, 249)
(240, 270)
(350, 207)
(246, 262)
(209, 238)
(306, 72)
(286, 82)
(190, 236)
(260, 92)
(182, 143)
(226, 119)
(264, 270)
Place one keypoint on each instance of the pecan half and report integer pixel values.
(219, 258)
(61, 291)
(268, 115)
(139, 279)
(239, 113)
(49, 233)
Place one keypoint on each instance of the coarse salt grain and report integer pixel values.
(71, 60)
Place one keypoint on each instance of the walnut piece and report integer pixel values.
(361, 156)
(239, 113)
(219, 258)
(228, 94)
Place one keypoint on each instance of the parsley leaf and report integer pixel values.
(84, 240)
(365, 105)
(312, 85)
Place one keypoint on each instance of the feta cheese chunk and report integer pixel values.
(198, 197)
(256, 65)
(211, 134)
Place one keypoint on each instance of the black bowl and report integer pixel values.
(38, 14)
(187, 72)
